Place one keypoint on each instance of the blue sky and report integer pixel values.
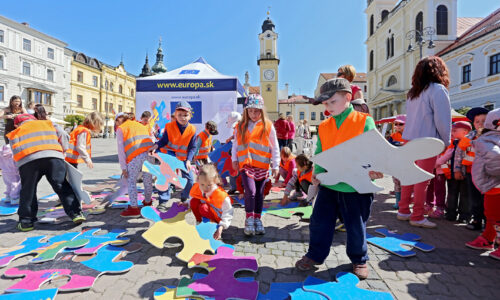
(314, 36)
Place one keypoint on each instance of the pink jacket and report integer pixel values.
(442, 160)
(291, 132)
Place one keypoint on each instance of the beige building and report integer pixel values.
(96, 86)
(301, 108)
(396, 30)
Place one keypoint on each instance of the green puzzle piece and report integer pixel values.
(49, 252)
(306, 212)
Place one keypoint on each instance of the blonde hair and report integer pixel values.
(209, 171)
(243, 124)
(348, 71)
(93, 121)
(286, 152)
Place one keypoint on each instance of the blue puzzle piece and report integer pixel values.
(344, 288)
(150, 213)
(392, 242)
(117, 177)
(104, 260)
(300, 294)
(219, 159)
(50, 197)
(7, 209)
(97, 241)
(48, 294)
(206, 231)
(68, 236)
(281, 291)
(125, 204)
(29, 245)
(166, 172)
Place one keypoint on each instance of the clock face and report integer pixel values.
(269, 74)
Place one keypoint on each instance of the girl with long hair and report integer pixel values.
(14, 109)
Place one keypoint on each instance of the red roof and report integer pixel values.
(254, 89)
(296, 99)
(485, 26)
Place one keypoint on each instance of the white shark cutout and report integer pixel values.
(351, 161)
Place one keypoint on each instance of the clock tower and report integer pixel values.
(268, 62)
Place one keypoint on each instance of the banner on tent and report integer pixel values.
(180, 85)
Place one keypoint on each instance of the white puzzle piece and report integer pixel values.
(351, 161)
(74, 178)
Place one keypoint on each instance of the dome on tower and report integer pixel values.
(267, 25)
(146, 71)
(159, 67)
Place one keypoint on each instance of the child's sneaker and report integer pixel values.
(424, 223)
(25, 226)
(79, 219)
(259, 228)
(403, 217)
(14, 201)
(495, 254)
(131, 212)
(437, 214)
(480, 243)
(144, 203)
(249, 226)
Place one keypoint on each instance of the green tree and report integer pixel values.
(74, 119)
(463, 110)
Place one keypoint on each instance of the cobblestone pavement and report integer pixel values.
(452, 271)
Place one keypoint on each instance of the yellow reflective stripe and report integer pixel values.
(138, 146)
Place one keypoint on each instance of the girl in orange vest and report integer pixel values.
(287, 165)
(79, 149)
(209, 200)
(134, 142)
(254, 151)
(203, 143)
(301, 182)
(397, 140)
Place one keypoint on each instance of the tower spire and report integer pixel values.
(159, 67)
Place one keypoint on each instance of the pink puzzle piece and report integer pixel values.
(220, 282)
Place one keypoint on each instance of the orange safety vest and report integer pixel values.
(306, 176)
(33, 136)
(215, 200)
(136, 139)
(176, 142)
(332, 136)
(255, 151)
(72, 155)
(287, 164)
(398, 137)
(446, 168)
(466, 145)
(206, 144)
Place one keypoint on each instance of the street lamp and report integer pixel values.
(420, 38)
(105, 104)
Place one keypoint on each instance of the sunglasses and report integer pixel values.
(399, 124)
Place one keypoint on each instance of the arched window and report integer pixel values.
(388, 48)
(419, 24)
(131, 92)
(371, 60)
(120, 89)
(371, 25)
(384, 14)
(442, 20)
(392, 80)
(392, 45)
(111, 86)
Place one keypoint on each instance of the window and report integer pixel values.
(50, 75)
(1, 36)
(120, 89)
(302, 115)
(120, 108)
(94, 103)
(111, 86)
(387, 48)
(79, 76)
(111, 108)
(2, 93)
(371, 25)
(288, 113)
(466, 73)
(131, 92)
(392, 45)
(419, 24)
(26, 68)
(371, 60)
(321, 116)
(47, 99)
(385, 14)
(365, 88)
(1, 62)
(106, 105)
(494, 64)
(392, 81)
(38, 97)
(489, 106)
(79, 100)
(313, 116)
(442, 20)
(27, 45)
(50, 53)
(95, 81)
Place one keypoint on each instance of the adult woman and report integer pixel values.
(282, 128)
(291, 132)
(349, 72)
(428, 114)
(9, 113)
(307, 130)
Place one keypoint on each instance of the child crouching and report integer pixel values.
(301, 182)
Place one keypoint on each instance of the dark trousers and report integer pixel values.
(355, 208)
(476, 199)
(457, 201)
(54, 169)
(74, 165)
(254, 193)
(282, 143)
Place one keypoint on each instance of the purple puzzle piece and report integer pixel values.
(155, 215)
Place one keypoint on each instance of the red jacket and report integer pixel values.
(282, 127)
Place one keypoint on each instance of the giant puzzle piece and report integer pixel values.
(161, 116)
(220, 282)
(221, 158)
(98, 241)
(370, 152)
(82, 273)
(74, 178)
(58, 215)
(294, 290)
(391, 242)
(155, 215)
(344, 288)
(306, 212)
(206, 231)
(166, 172)
(48, 294)
(7, 209)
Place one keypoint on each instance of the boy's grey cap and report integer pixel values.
(329, 88)
(492, 119)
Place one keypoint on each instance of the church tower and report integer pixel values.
(268, 62)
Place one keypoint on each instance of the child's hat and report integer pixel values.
(462, 124)
(492, 119)
(119, 115)
(329, 88)
(212, 127)
(475, 111)
(22, 118)
(183, 105)
(254, 101)
(400, 119)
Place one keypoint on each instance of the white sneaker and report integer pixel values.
(249, 226)
(259, 228)
(423, 223)
(403, 217)
(14, 201)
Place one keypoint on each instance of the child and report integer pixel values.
(204, 143)
(79, 150)
(209, 200)
(464, 156)
(301, 182)
(486, 177)
(287, 165)
(436, 191)
(178, 139)
(146, 121)
(232, 120)
(345, 123)
(133, 144)
(10, 175)
(38, 152)
(241, 189)
(457, 188)
(397, 140)
(255, 150)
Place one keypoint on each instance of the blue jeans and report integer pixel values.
(355, 208)
(164, 196)
(232, 182)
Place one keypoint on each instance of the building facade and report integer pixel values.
(301, 108)
(473, 61)
(33, 66)
(393, 47)
(268, 62)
